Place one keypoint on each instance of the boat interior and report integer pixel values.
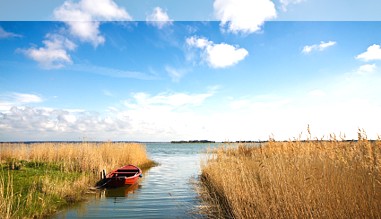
(126, 173)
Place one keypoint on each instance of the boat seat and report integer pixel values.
(127, 171)
(125, 174)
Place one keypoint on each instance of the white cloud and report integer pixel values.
(86, 31)
(372, 53)
(142, 117)
(26, 98)
(224, 55)
(217, 55)
(324, 45)
(54, 53)
(159, 18)
(169, 100)
(175, 74)
(286, 3)
(57, 122)
(366, 69)
(198, 42)
(83, 18)
(318, 47)
(113, 72)
(5, 34)
(167, 115)
(244, 16)
(7, 100)
(106, 10)
(342, 105)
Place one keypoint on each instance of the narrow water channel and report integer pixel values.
(165, 191)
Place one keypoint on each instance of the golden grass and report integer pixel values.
(79, 157)
(7, 199)
(295, 179)
(62, 173)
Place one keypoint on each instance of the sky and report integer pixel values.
(222, 70)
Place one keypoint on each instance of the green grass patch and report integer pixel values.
(37, 188)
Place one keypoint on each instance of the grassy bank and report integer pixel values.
(38, 179)
(309, 179)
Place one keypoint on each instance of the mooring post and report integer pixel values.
(104, 173)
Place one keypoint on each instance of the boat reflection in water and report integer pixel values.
(122, 191)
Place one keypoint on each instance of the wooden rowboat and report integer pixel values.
(126, 175)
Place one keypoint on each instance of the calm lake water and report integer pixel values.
(165, 191)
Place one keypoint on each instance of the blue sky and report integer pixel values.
(104, 73)
(202, 10)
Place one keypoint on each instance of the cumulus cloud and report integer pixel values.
(5, 34)
(224, 55)
(244, 16)
(286, 3)
(372, 53)
(7, 100)
(159, 18)
(83, 18)
(166, 115)
(143, 116)
(86, 31)
(26, 98)
(366, 69)
(35, 120)
(178, 115)
(318, 47)
(54, 53)
(217, 55)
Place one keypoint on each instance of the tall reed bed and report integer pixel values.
(79, 157)
(295, 179)
(7, 198)
(44, 177)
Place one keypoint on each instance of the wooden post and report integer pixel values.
(104, 173)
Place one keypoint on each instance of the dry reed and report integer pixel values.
(8, 203)
(295, 179)
(78, 165)
(78, 157)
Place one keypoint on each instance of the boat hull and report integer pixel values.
(126, 175)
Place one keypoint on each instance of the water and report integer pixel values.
(165, 191)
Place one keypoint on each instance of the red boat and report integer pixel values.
(126, 175)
